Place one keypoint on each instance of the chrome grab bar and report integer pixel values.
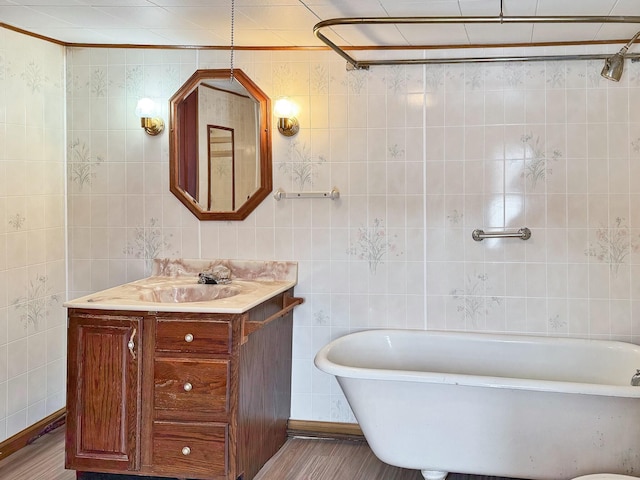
(524, 233)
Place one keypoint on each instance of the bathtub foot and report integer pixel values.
(434, 475)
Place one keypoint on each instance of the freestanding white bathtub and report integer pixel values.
(504, 405)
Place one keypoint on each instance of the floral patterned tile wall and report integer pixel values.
(422, 155)
(32, 232)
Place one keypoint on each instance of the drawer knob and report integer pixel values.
(188, 338)
(186, 451)
(187, 387)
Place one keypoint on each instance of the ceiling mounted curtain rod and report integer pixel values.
(498, 19)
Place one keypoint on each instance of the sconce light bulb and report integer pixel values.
(146, 108)
(285, 108)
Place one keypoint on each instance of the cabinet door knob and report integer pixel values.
(186, 451)
(188, 338)
(187, 387)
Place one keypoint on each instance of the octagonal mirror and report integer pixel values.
(220, 145)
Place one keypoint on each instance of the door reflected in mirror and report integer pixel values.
(220, 145)
(220, 185)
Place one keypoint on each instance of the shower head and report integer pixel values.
(614, 65)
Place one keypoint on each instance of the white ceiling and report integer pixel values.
(291, 22)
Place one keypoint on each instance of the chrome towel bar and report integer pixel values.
(524, 233)
(333, 194)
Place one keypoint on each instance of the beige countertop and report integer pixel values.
(174, 287)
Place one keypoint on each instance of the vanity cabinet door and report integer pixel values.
(103, 392)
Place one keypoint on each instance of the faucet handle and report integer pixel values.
(222, 274)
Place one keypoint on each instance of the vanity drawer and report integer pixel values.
(191, 389)
(198, 336)
(190, 450)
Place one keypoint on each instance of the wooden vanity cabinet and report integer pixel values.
(179, 395)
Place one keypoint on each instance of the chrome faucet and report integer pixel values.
(219, 275)
(635, 380)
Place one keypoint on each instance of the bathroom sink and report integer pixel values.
(188, 293)
(174, 287)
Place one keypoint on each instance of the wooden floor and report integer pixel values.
(299, 459)
(41, 460)
(306, 459)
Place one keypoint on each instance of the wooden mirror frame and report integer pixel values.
(178, 126)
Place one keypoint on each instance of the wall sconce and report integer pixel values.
(285, 111)
(150, 120)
